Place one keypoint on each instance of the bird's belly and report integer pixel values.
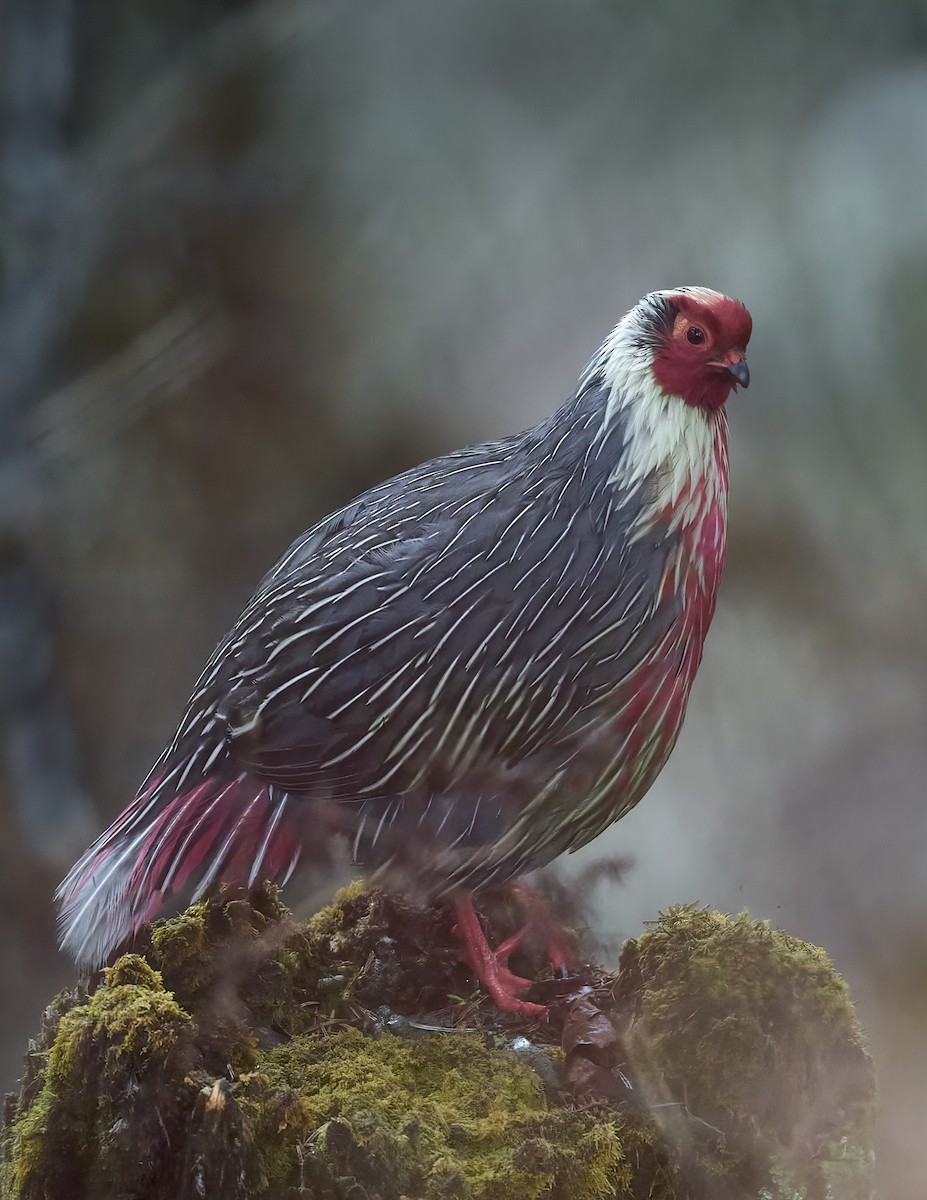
(620, 754)
(612, 768)
(502, 819)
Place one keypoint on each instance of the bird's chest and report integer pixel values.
(692, 516)
(621, 753)
(702, 547)
(651, 676)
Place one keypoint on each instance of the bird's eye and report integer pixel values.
(695, 335)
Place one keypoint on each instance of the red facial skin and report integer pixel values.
(698, 372)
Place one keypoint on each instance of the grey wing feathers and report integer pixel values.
(444, 631)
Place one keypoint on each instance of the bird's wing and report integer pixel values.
(435, 627)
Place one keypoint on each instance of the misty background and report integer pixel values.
(256, 256)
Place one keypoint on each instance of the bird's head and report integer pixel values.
(698, 341)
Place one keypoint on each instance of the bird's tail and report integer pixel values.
(238, 830)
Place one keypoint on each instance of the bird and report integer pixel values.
(469, 669)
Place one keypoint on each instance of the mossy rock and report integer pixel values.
(746, 1047)
(101, 1085)
(447, 1117)
(243, 1055)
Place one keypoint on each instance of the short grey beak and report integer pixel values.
(740, 371)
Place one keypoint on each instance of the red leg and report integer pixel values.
(560, 953)
(504, 951)
(489, 968)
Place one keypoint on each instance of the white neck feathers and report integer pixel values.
(680, 447)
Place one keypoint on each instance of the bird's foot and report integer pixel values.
(491, 966)
(560, 953)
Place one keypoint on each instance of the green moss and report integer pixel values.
(181, 948)
(378, 949)
(337, 921)
(240, 968)
(196, 948)
(102, 1057)
(245, 1055)
(443, 1116)
(133, 969)
(750, 1033)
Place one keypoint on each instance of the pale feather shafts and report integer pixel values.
(473, 667)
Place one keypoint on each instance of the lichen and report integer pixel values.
(246, 1056)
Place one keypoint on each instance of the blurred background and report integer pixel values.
(255, 256)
